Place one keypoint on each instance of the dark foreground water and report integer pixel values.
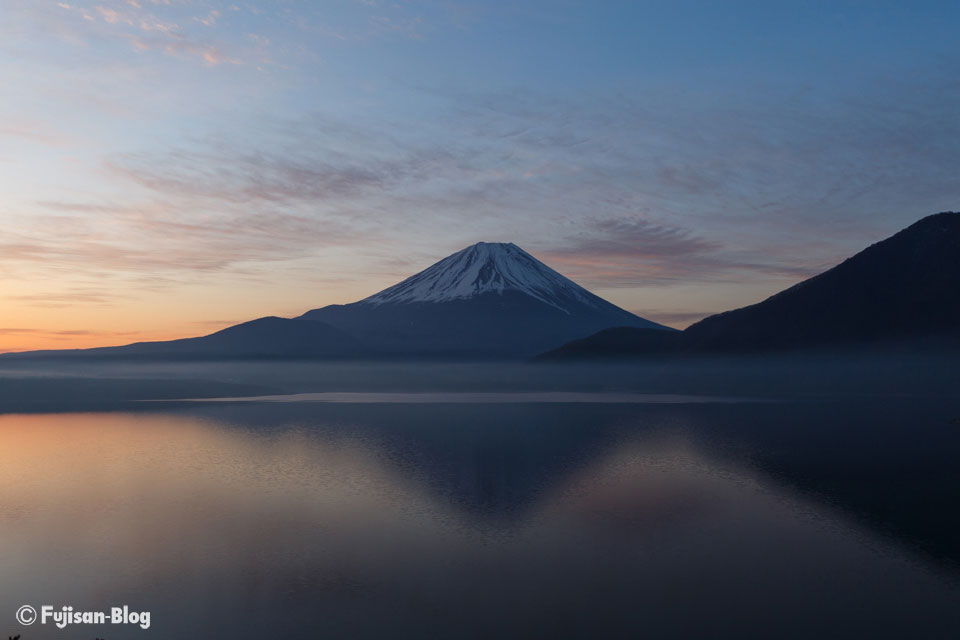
(369, 517)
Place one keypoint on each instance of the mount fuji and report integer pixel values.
(488, 300)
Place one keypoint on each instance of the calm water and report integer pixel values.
(517, 519)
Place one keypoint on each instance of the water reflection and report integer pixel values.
(351, 521)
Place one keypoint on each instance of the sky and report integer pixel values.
(171, 167)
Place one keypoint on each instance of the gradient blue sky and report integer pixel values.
(173, 166)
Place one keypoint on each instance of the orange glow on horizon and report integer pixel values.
(126, 316)
(15, 341)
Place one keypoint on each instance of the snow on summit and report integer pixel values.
(487, 267)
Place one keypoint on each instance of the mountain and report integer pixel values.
(488, 300)
(618, 343)
(265, 337)
(906, 287)
(902, 292)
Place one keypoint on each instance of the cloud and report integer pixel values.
(112, 16)
(244, 175)
(63, 333)
(633, 237)
(181, 47)
(106, 253)
(618, 189)
(776, 157)
(144, 29)
(209, 20)
(219, 323)
(634, 251)
(375, 20)
(407, 26)
(89, 295)
(37, 132)
(14, 339)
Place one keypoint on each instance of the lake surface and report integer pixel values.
(547, 517)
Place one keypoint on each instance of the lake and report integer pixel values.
(373, 515)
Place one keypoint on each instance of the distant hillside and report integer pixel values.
(903, 292)
(905, 287)
(265, 337)
(618, 343)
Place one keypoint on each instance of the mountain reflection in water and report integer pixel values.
(348, 520)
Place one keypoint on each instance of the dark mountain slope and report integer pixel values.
(900, 294)
(904, 288)
(618, 343)
(265, 337)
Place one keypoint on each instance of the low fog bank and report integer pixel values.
(61, 385)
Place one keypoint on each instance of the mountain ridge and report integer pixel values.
(899, 287)
(269, 336)
(488, 300)
(902, 292)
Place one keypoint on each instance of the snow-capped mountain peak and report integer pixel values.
(487, 267)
